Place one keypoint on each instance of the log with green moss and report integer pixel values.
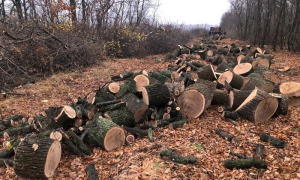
(9, 121)
(101, 95)
(37, 157)
(72, 147)
(166, 73)
(283, 103)
(260, 83)
(9, 145)
(179, 123)
(150, 135)
(156, 95)
(220, 97)
(236, 98)
(136, 131)
(225, 135)
(177, 158)
(135, 105)
(78, 142)
(122, 117)
(244, 164)
(240, 156)
(207, 73)
(105, 133)
(278, 143)
(231, 115)
(129, 86)
(112, 107)
(160, 77)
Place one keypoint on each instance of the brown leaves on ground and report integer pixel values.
(141, 160)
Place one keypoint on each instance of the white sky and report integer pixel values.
(192, 11)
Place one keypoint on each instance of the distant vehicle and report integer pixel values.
(216, 30)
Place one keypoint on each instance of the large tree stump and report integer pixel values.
(235, 81)
(37, 157)
(135, 105)
(104, 133)
(258, 107)
(194, 100)
(156, 95)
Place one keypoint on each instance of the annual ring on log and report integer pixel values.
(191, 103)
(141, 81)
(53, 158)
(112, 135)
(242, 69)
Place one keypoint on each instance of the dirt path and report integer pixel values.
(141, 160)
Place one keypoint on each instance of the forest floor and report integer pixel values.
(141, 160)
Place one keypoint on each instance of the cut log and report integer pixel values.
(6, 162)
(263, 63)
(264, 56)
(269, 76)
(78, 142)
(112, 107)
(90, 98)
(223, 67)
(114, 87)
(177, 124)
(240, 156)
(55, 135)
(243, 69)
(258, 107)
(14, 131)
(9, 146)
(294, 101)
(235, 81)
(91, 172)
(244, 164)
(130, 139)
(225, 135)
(105, 133)
(122, 117)
(220, 98)
(236, 98)
(135, 105)
(136, 131)
(231, 115)
(129, 86)
(74, 149)
(239, 58)
(259, 152)
(102, 95)
(177, 158)
(66, 114)
(283, 103)
(141, 81)
(175, 88)
(289, 88)
(175, 75)
(150, 135)
(221, 109)
(156, 95)
(37, 157)
(259, 83)
(207, 73)
(194, 100)
(278, 143)
(159, 77)
(198, 64)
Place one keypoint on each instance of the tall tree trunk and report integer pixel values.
(267, 23)
(3, 9)
(282, 5)
(294, 24)
(258, 22)
(73, 11)
(282, 27)
(18, 5)
(83, 4)
(25, 10)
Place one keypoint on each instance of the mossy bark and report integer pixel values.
(122, 117)
(177, 158)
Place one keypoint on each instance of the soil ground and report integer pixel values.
(141, 160)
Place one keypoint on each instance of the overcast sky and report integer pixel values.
(192, 11)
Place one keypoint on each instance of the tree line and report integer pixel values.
(264, 22)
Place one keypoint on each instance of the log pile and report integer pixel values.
(134, 104)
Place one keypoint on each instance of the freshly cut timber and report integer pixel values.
(260, 83)
(223, 67)
(194, 100)
(264, 56)
(175, 88)
(175, 75)
(289, 88)
(160, 77)
(37, 157)
(220, 98)
(269, 76)
(105, 133)
(258, 107)
(235, 81)
(207, 73)
(243, 69)
(141, 81)
(263, 63)
(67, 113)
(135, 105)
(114, 87)
(283, 103)
(156, 95)
(239, 58)
(129, 86)
(102, 95)
(122, 116)
(294, 101)
(236, 98)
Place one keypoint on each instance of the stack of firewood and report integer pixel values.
(134, 104)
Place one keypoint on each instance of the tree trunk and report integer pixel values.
(235, 81)
(156, 95)
(236, 98)
(37, 157)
